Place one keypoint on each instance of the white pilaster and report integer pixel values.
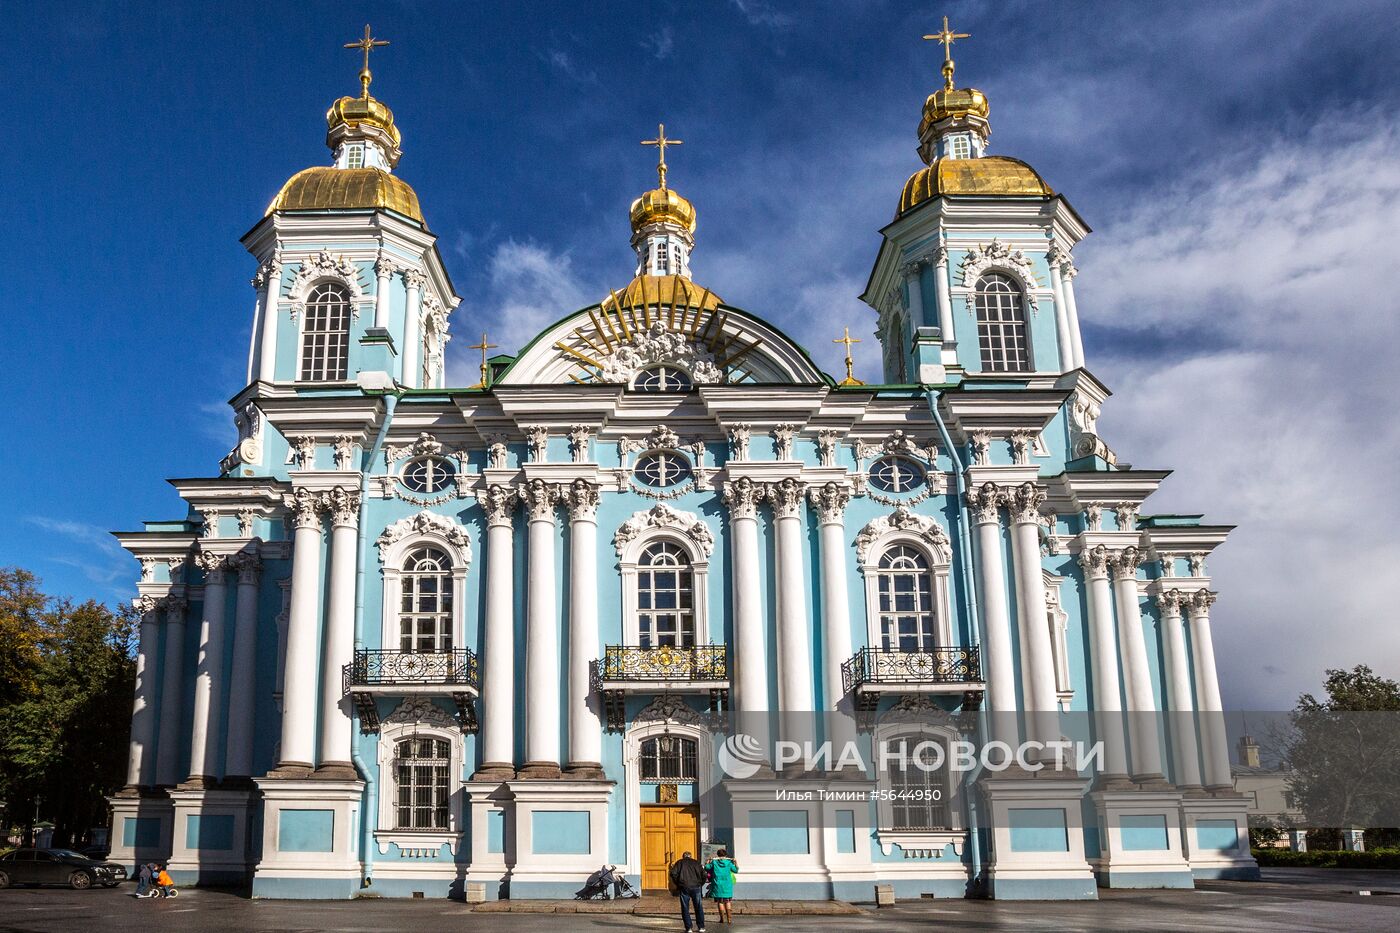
(172, 692)
(1143, 733)
(271, 274)
(1067, 274)
(1062, 331)
(498, 663)
(1107, 680)
(1213, 740)
(794, 643)
(751, 651)
(412, 333)
(338, 643)
(916, 296)
(998, 661)
(141, 756)
(945, 302)
(1186, 764)
(383, 273)
(1037, 651)
(207, 711)
(830, 503)
(585, 723)
(238, 754)
(541, 635)
(299, 688)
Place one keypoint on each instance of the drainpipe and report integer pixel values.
(371, 801)
(975, 629)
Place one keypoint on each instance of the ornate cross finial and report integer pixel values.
(661, 142)
(947, 37)
(483, 347)
(847, 339)
(367, 44)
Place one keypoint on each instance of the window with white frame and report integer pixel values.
(325, 338)
(668, 759)
(422, 769)
(426, 602)
(1001, 324)
(917, 778)
(662, 469)
(429, 474)
(662, 379)
(662, 258)
(355, 157)
(908, 620)
(959, 147)
(896, 474)
(665, 597)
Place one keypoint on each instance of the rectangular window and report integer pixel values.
(959, 148)
(355, 157)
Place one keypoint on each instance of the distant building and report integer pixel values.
(1266, 792)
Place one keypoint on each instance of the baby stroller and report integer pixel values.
(599, 883)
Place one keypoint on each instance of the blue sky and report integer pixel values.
(1241, 167)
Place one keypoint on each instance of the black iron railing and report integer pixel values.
(701, 662)
(378, 667)
(939, 666)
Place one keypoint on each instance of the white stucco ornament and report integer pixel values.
(900, 520)
(996, 255)
(658, 345)
(430, 524)
(662, 515)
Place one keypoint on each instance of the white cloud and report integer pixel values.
(762, 13)
(1282, 423)
(660, 43)
(97, 555)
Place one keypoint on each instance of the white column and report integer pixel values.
(794, 643)
(238, 753)
(412, 336)
(383, 272)
(541, 635)
(267, 349)
(1037, 650)
(1103, 656)
(498, 662)
(1143, 734)
(751, 650)
(1213, 741)
(172, 692)
(830, 503)
(141, 757)
(1067, 274)
(585, 723)
(209, 686)
(338, 642)
(945, 299)
(1062, 332)
(299, 686)
(998, 658)
(255, 340)
(1186, 764)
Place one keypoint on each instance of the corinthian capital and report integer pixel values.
(174, 607)
(985, 501)
(1024, 503)
(540, 499)
(830, 502)
(498, 502)
(742, 497)
(582, 499)
(384, 267)
(145, 604)
(248, 564)
(537, 438)
(786, 496)
(344, 506)
(306, 508)
(1095, 561)
(739, 441)
(1201, 601)
(414, 278)
(1169, 602)
(1126, 562)
(212, 564)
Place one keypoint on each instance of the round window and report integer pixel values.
(663, 469)
(663, 379)
(430, 474)
(896, 474)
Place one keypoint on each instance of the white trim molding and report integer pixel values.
(686, 529)
(921, 532)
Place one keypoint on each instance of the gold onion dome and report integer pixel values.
(959, 102)
(662, 205)
(355, 112)
(663, 290)
(989, 176)
(324, 187)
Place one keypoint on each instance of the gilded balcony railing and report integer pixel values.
(699, 662)
(374, 667)
(939, 666)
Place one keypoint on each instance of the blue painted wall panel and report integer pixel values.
(778, 832)
(1038, 829)
(560, 832)
(306, 830)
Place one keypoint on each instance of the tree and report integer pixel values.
(65, 720)
(1345, 751)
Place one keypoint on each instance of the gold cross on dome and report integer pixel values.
(661, 142)
(368, 44)
(948, 37)
(847, 339)
(483, 347)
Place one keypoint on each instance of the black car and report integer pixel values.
(57, 866)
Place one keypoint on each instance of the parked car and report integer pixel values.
(58, 866)
(96, 853)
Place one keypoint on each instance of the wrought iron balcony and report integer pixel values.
(872, 672)
(378, 672)
(625, 669)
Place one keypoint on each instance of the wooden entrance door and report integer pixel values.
(667, 833)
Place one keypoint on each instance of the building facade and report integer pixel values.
(416, 637)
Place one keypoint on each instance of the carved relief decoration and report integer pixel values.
(655, 345)
(662, 515)
(923, 527)
(429, 524)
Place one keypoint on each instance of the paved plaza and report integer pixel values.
(1288, 899)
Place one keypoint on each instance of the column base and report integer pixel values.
(336, 771)
(494, 771)
(585, 771)
(210, 839)
(310, 837)
(1221, 790)
(1038, 837)
(559, 834)
(290, 771)
(1140, 840)
(539, 771)
(141, 829)
(1152, 782)
(1192, 790)
(1216, 833)
(1113, 782)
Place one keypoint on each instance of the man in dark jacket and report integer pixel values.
(688, 875)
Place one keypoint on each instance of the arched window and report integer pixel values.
(907, 619)
(425, 612)
(1001, 325)
(421, 772)
(662, 379)
(919, 790)
(668, 759)
(665, 597)
(325, 340)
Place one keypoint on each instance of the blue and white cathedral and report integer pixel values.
(479, 641)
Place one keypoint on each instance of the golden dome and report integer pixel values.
(953, 102)
(351, 112)
(989, 176)
(324, 187)
(662, 205)
(662, 290)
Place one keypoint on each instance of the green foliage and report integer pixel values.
(1327, 858)
(65, 705)
(1264, 832)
